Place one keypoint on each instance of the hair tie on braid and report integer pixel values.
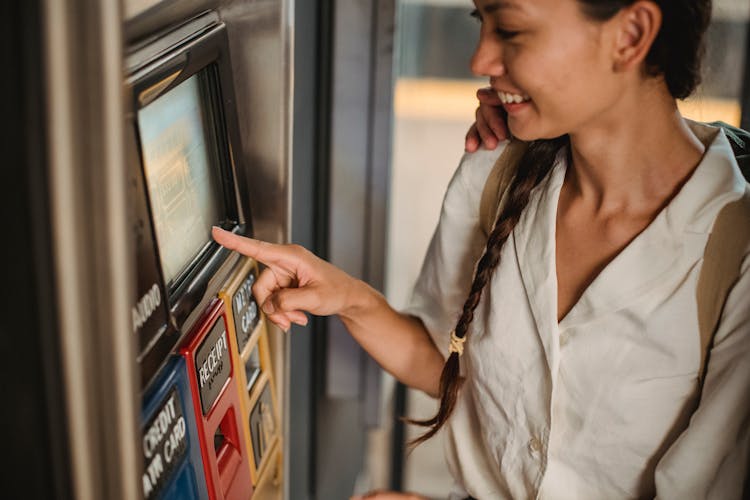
(457, 344)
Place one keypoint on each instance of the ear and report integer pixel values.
(638, 24)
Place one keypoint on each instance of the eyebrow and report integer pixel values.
(495, 6)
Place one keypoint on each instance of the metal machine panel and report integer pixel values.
(216, 405)
(173, 468)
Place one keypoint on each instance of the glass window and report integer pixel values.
(720, 95)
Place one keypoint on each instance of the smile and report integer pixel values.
(508, 98)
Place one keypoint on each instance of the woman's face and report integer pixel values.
(551, 65)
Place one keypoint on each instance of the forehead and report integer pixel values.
(549, 10)
(491, 6)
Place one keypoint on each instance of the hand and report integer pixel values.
(490, 127)
(294, 280)
(388, 495)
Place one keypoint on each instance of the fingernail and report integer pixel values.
(268, 307)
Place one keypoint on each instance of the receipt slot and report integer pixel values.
(257, 389)
(216, 405)
(172, 464)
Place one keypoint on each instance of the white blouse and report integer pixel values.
(600, 405)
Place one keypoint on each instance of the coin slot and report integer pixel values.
(252, 368)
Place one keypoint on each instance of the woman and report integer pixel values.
(578, 341)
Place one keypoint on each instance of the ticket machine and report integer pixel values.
(210, 423)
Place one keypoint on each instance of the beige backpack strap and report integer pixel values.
(730, 237)
(497, 184)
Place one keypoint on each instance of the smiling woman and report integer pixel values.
(570, 330)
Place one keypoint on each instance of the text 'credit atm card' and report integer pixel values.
(164, 444)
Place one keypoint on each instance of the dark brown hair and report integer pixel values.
(676, 56)
(678, 49)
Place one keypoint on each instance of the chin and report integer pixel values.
(525, 134)
(528, 133)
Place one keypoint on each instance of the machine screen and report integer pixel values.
(178, 141)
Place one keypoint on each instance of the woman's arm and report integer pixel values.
(295, 280)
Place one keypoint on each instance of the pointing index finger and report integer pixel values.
(264, 252)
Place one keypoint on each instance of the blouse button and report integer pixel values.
(534, 445)
(564, 338)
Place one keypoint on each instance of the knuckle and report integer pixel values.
(297, 250)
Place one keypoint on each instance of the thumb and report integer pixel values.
(286, 300)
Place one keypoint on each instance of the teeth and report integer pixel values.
(508, 98)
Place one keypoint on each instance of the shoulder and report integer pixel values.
(471, 175)
(716, 181)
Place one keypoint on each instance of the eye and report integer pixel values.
(476, 15)
(506, 34)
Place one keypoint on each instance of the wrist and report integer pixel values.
(361, 298)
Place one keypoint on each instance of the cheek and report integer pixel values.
(565, 82)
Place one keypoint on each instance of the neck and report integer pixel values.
(634, 156)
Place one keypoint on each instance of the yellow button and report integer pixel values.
(534, 445)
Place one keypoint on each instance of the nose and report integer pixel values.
(488, 56)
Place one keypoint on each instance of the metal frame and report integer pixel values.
(34, 433)
(92, 265)
(309, 21)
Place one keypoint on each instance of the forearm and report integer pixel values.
(398, 342)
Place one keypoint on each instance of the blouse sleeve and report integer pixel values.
(456, 245)
(710, 458)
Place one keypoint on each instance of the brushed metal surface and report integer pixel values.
(259, 48)
(93, 268)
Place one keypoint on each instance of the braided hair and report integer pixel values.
(534, 165)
